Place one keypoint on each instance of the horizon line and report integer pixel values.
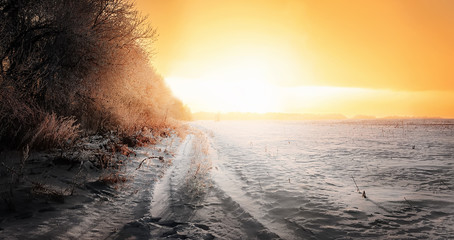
(207, 115)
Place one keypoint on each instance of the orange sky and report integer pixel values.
(351, 57)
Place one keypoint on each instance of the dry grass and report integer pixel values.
(55, 132)
(123, 149)
(51, 193)
(141, 138)
(105, 160)
(113, 178)
(197, 178)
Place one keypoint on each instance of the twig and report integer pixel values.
(357, 188)
(140, 165)
(409, 203)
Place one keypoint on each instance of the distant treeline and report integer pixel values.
(297, 116)
(72, 66)
(265, 116)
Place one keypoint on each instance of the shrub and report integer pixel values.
(81, 58)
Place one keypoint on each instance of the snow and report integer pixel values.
(266, 180)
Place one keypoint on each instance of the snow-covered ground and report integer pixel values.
(95, 210)
(268, 180)
(297, 179)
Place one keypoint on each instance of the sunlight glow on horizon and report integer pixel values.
(210, 95)
(224, 96)
(377, 58)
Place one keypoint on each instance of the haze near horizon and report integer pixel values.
(379, 58)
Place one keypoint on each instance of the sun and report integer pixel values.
(242, 96)
(221, 95)
(238, 82)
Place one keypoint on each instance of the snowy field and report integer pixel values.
(268, 180)
(301, 180)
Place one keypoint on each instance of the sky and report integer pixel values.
(380, 58)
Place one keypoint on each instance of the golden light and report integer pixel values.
(220, 95)
(240, 79)
(354, 58)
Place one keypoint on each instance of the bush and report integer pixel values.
(70, 63)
